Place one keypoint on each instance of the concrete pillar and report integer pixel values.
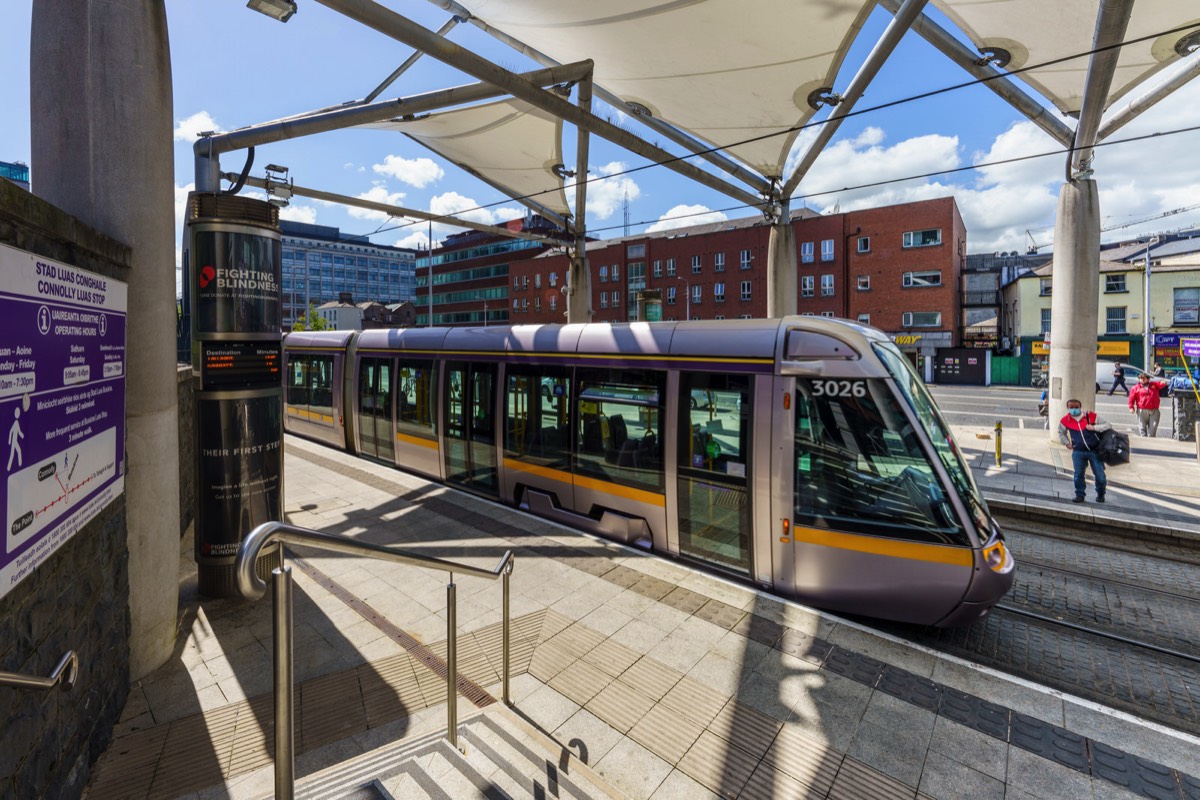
(100, 96)
(1074, 299)
(781, 269)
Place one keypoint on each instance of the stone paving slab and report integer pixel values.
(806, 704)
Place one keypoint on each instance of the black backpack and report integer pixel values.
(1114, 447)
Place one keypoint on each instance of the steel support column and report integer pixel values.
(781, 266)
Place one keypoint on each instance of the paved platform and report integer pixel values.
(665, 681)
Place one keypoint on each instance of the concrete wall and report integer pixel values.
(79, 598)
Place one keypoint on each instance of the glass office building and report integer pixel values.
(16, 172)
(320, 263)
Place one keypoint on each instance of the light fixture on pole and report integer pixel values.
(1147, 335)
(281, 10)
(687, 295)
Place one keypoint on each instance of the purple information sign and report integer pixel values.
(1191, 347)
(62, 404)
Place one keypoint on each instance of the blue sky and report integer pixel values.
(233, 67)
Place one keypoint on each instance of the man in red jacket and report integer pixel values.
(1144, 401)
(1080, 433)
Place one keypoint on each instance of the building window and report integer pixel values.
(604, 299)
(718, 293)
(554, 279)
(516, 284)
(745, 290)
(932, 277)
(695, 265)
(744, 259)
(697, 295)
(806, 252)
(616, 272)
(670, 268)
(807, 285)
(826, 285)
(827, 249)
(537, 304)
(1044, 287)
(864, 244)
(745, 316)
(826, 313)
(658, 267)
(516, 306)
(636, 251)
(670, 295)
(524, 281)
(604, 274)
(865, 319)
(553, 303)
(921, 319)
(616, 298)
(1114, 319)
(537, 281)
(524, 305)
(1114, 283)
(719, 316)
(718, 262)
(926, 238)
(864, 282)
(1186, 308)
(1045, 322)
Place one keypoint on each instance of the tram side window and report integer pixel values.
(618, 434)
(537, 425)
(860, 466)
(310, 384)
(416, 401)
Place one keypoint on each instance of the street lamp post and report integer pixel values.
(1147, 349)
(687, 296)
(846, 271)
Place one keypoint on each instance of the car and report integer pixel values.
(1104, 376)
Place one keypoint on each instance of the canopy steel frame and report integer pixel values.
(449, 25)
(1111, 23)
(402, 29)
(1144, 102)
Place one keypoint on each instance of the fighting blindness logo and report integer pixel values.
(246, 279)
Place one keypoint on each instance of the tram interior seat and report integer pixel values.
(618, 435)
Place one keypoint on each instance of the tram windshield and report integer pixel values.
(912, 388)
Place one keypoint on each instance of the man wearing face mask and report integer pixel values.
(1080, 432)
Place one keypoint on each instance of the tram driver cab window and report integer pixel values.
(860, 466)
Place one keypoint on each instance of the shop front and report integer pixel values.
(1167, 349)
(1123, 350)
(921, 349)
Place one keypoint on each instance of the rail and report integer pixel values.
(68, 666)
(252, 587)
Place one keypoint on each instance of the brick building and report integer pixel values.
(898, 268)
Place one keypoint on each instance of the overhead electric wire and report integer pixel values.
(854, 113)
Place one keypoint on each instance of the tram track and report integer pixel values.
(1118, 625)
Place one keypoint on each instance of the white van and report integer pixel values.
(1104, 375)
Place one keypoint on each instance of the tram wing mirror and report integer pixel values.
(813, 346)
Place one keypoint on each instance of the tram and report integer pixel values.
(803, 455)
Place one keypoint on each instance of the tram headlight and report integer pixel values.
(997, 558)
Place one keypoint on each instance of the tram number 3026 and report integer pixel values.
(839, 388)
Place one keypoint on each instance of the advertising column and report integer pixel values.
(232, 261)
(62, 405)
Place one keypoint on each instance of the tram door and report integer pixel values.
(375, 376)
(715, 522)
(470, 394)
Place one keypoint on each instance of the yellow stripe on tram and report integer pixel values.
(417, 440)
(628, 492)
(893, 548)
(311, 416)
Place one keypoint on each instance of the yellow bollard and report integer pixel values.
(999, 433)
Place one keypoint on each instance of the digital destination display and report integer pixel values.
(239, 365)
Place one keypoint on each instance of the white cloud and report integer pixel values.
(294, 213)
(417, 240)
(605, 195)
(682, 216)
(418, 172)
(376, 194)
(506, 213)
(188, 129)
(456, 205)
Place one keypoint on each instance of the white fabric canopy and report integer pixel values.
(508, 143)
(724, 70)
(1037, 31)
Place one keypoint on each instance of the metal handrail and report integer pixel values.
(68, 665)
(252, 587)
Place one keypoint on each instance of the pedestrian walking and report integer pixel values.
(1118, 379)
(1144, 402)
(1080, 432)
